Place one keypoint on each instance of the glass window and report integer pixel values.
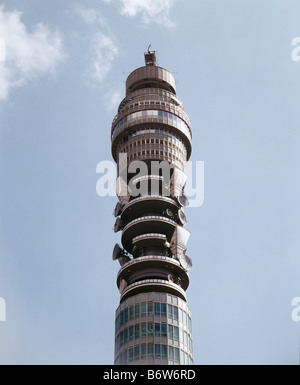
(126, 316)
(181, 357)
(175, 312)
(131, 313)
(125, 336)
(185, 339)
(170, 311)
(171, 353)
(157, 330)
(131, 355)
(136, 353)
(181, 335)
(121, 339)
(150, 350)
(184, 317)
(144, 311)
(163, 331)
(180, 315)
(163, 309)
(150, 329)
(125, 357)
(143, 329)
(137, 331)
(150, 308)
(122, 318)
(143, 351)
(186, 359)
(157, 308)
(176, 354)
(164, 351)
(130, 333)
(176, 333)
(157, 351)
(170, 331)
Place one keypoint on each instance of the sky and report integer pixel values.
(60, 84)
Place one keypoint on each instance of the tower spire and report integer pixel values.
(150, 57)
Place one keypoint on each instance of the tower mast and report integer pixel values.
(151, 143)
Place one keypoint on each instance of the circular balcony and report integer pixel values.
(140, 206)
(145, 225)
(156, 285)
(141, 97)
(142, 268)
(150, 74)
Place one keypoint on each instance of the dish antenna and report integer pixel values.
(185, 262)
(118, 209)
(171, 278)
(182, 217)
(169, 213)
(120, 255)
(123, 285)
(118, 225)
(183, 201)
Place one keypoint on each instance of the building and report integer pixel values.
(151, 143)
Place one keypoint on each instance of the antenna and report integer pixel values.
(120, 255)
(118, 225)
(118, 210)
(182, 217)
(183, 201)
(150, 57)
(185, 262)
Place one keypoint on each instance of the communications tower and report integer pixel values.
(151, 143)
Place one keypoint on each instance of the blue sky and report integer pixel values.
(66, 63)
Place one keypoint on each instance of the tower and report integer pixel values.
(151, 143)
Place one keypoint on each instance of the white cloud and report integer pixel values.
(157, 11)
(101, 42)
(112, 99)
(88, 15)
(104, 52)
(29, 55)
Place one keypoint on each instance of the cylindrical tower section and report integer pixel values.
(151, 143)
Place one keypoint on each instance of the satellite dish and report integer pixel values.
(170, 278)
(182, 217)
(169, 213)
(118, 210)
(117, 253)
(123, 285)
(120, 255)
(118, 225)
(183, 201)
(185, 262)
